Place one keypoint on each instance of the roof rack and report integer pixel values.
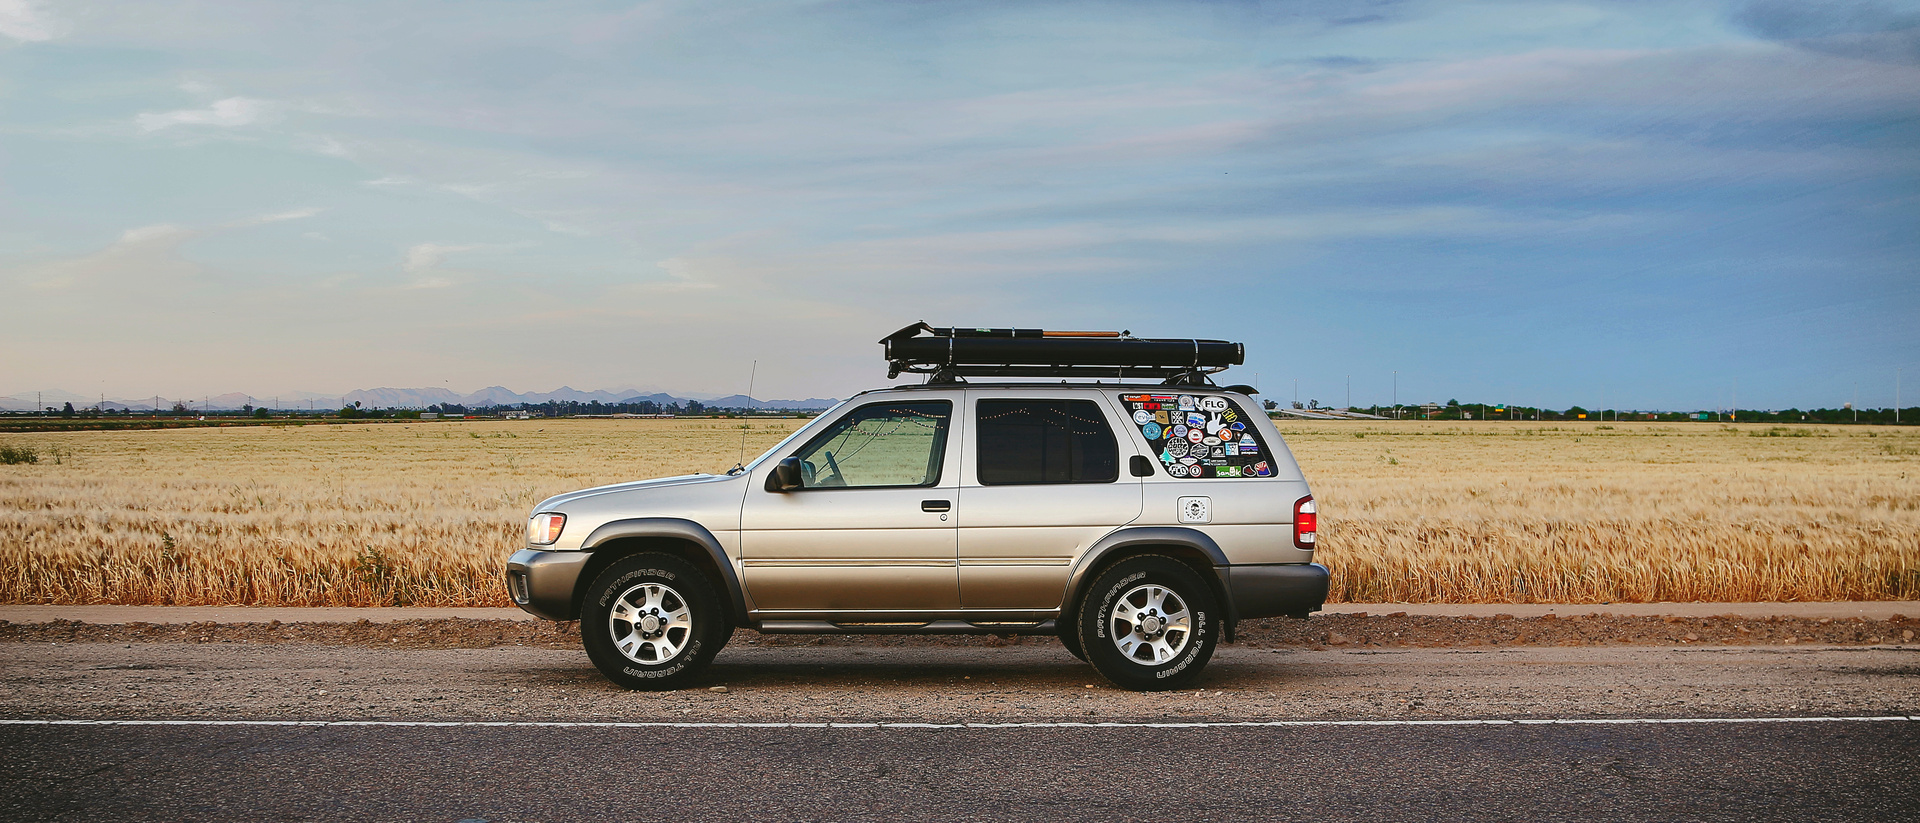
(949, 354)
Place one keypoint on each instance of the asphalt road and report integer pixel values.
(1850, 771)
(718, 767)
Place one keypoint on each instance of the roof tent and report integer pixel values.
(948, 354)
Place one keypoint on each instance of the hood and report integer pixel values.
(560, 500)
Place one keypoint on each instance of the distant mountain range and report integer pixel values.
(402, 399)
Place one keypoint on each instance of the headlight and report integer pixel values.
(545, 528)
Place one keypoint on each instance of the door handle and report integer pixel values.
(936, 505)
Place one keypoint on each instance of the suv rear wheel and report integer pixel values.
(1148, 623)
(652, 621)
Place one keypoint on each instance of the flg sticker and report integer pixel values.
(1213, 404)
(1143, 417)
(1151, 430)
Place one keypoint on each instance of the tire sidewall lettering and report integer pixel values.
(1106, 603)
(620, 585)
(1193, 648)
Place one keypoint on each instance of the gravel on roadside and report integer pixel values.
(1394, 629)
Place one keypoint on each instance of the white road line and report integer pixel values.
(1231, 724)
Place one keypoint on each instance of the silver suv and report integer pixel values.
(1136, 521)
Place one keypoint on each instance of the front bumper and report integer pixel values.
(1272, 589)
(542, 583)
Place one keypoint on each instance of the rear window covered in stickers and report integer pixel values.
(1200, 435)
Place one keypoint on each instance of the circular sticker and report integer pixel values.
(1194, 436)
(1177, 448)
(1179, 430)
(1151, 430)
(1143, 417)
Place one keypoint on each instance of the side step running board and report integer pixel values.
(933, 627)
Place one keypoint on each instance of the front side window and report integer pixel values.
(1045, 441)
(1200, 435)
(885, 444)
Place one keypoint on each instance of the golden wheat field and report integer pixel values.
(424, 513)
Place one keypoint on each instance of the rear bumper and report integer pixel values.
(542, 583)
(1272, 590)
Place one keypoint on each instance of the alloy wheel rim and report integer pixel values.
(1150, 624)
(650, 623)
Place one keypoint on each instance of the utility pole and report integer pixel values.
(1396, 394)
(1349, 392)
(1896, 395)
(1734, 416)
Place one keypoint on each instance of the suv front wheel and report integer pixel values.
(652, 621)
(1148, 623)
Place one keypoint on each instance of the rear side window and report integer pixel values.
(1045, 441)
(1200, 435)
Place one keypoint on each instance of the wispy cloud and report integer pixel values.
(28, 21)
(231, 112)
(423, 257)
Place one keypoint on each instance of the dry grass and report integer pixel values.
(423, 513)
(373, 514)
(1614, 512)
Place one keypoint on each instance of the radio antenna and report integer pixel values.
(751, 373)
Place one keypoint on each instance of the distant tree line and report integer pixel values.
(1456, 410)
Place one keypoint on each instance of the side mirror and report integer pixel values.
(1141, 466)
(785, 475)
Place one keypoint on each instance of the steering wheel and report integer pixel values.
(839, 479)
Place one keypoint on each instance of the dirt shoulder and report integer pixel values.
(1034, 681)
(1392, 629)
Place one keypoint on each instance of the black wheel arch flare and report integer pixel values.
(1190, 546)
(685, 538)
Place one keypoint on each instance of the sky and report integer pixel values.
(1673, 205)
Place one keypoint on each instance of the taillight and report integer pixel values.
(543, 529)
(1306, 523)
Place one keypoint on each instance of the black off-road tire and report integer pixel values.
(668, 656)
(1152, 585)
(1070, 638)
